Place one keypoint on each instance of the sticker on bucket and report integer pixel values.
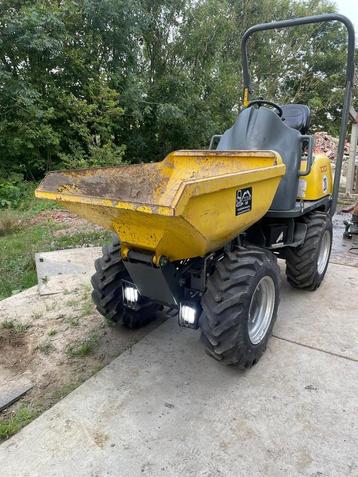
(243, 201)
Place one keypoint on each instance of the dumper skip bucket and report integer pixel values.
(185, 206)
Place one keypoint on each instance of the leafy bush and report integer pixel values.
(11, 190)
(107, 155)
(17, 194)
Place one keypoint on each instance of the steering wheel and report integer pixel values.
(261, 102)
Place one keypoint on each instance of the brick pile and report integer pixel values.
(327, 144)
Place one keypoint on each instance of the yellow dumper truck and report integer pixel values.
(199, 233)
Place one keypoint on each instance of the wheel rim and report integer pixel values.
(323, 255)
(261, 309)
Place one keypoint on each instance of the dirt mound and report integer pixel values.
(68, 223)
(15, 353)
(57, 342)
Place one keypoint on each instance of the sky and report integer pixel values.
(350, 10)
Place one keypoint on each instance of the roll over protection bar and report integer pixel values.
(329, 17)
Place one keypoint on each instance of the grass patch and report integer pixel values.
(94, 238)
(72, 302)
(45, 348)
(15, 326)
(8, 325)
(17, 253)
(86, 287)
(36, 315)
(87, 309)
(9, 221)
(86, 306)
(83, 348)
(65, 389)
(52, 333)
(17, 261)
(10, 425)
(21, 237)
(72, 320)
(51, 306)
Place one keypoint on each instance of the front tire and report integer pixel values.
(307, 264)
(107, 290)
(240, 306)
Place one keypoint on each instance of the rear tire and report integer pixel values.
(236, 290)
(307, 264)
(107, 290)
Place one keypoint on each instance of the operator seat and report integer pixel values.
(297, 116)
(262, 129)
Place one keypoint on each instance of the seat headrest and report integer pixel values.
(297, 116)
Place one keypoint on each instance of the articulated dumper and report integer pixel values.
(199, 233)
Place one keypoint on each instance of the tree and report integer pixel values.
(57, 105)
(95, 82)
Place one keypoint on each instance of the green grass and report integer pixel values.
(18, 248)
(45, 348)
(82, 305)
(19, 241)
(65, 389)
(87, 309)
(9, 221)
(11, 425)
(8, 325)
(15, 326)
(30, 205)
(72, 320)
(82, 348)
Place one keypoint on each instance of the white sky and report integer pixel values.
(349, 8)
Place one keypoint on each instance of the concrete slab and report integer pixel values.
(13, 390)
(165, 408)
(54, 268)
(15, 306)
(327, 318)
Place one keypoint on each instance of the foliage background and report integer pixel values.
(97, 82)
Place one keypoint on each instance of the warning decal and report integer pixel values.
(243, 201)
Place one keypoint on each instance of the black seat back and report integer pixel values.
(262, 129)
(297, 116)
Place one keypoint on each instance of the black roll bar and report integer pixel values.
(329, 17)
